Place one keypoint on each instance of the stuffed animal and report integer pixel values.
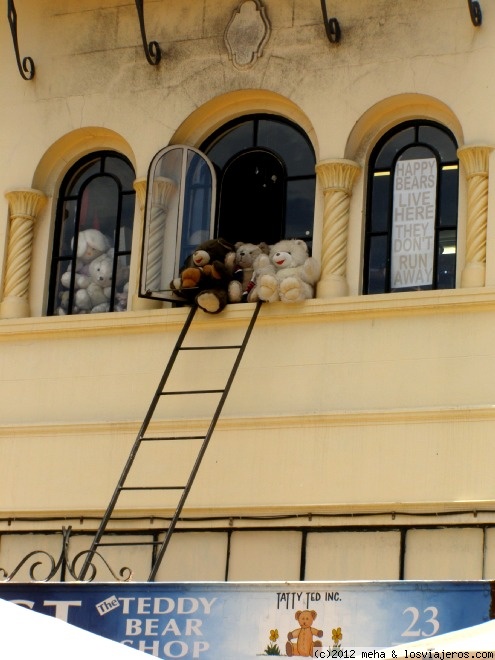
(304, 646)
(96, 296)
(205, 275)
(288, 274)
(243, 272)
(91, 244)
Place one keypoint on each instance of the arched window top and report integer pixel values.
(94, 221)
(411, 228)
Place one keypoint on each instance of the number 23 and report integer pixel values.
(418, 632)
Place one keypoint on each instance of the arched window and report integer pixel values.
(411, 225)
(93, 235)
(253, 180)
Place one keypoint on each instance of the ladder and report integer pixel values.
(160, 547)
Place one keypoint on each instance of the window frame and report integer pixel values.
(443, 164)
(72, 178)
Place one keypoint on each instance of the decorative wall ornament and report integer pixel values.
(247, 33)
(26, 67)
(332, 26)
(475, 11)
(152, 49)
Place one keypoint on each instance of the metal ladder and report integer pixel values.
(160, 547)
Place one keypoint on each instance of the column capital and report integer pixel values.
(338, 174)
(475, 159)
(139, 186)
(25, 202)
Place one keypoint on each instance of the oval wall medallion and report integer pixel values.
(247, 33)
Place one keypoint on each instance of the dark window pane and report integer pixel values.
(102, 206)
(449, 197)
(236, 139)
(377, 265)
(446, 266)
(289, 144)
(380, 202)
(300, 209)
(88, 170)
(391, 148)
(442, 141)
(121, 170)
(67, 222)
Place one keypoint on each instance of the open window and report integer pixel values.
(253, 180)
(411, 228)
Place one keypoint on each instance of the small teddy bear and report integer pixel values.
(243, 271)
(288, 274)
(304, 646)
(91, 244)
(205, 276)
(96, 296)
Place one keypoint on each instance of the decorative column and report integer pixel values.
(163, 190)
(337, 178)
(24, 207)
(475, 162)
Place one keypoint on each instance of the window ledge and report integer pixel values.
(446, 301)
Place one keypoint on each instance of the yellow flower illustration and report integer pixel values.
(273, 635)
(336, 635)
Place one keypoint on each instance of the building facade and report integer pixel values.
(356, 439)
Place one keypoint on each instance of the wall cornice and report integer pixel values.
(447, 301)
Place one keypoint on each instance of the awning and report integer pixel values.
(473, 639)
(26, 634)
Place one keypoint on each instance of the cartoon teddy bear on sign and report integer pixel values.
(304, 644)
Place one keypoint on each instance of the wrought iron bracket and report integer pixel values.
(152, 49)
(26, 67)
(332, 27)
(475, 11)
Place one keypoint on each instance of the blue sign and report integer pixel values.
(217, 621)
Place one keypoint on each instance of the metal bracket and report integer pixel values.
(26, 67)
(152, 49)
(332, 27)
(475, 11)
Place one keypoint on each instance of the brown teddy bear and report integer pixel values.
(243, 280)
(204, 278)
(304, 645)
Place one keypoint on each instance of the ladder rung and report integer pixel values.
(175, 437)
(210, 348)
(152, 487)
(193, 392)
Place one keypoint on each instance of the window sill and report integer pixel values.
(447, 301)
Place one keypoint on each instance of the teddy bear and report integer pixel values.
(304, 646)
(91, 244)
(204, 278)
(96, 296)
(288, 273)
(243, 272)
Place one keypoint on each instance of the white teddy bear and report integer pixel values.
(288, 274)
(96, 296)
(91, 244)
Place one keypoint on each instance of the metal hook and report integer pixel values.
(152, 50)
(475, 11)
(332, 27)
(26, 67)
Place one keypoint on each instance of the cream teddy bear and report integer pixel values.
(288, 273)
